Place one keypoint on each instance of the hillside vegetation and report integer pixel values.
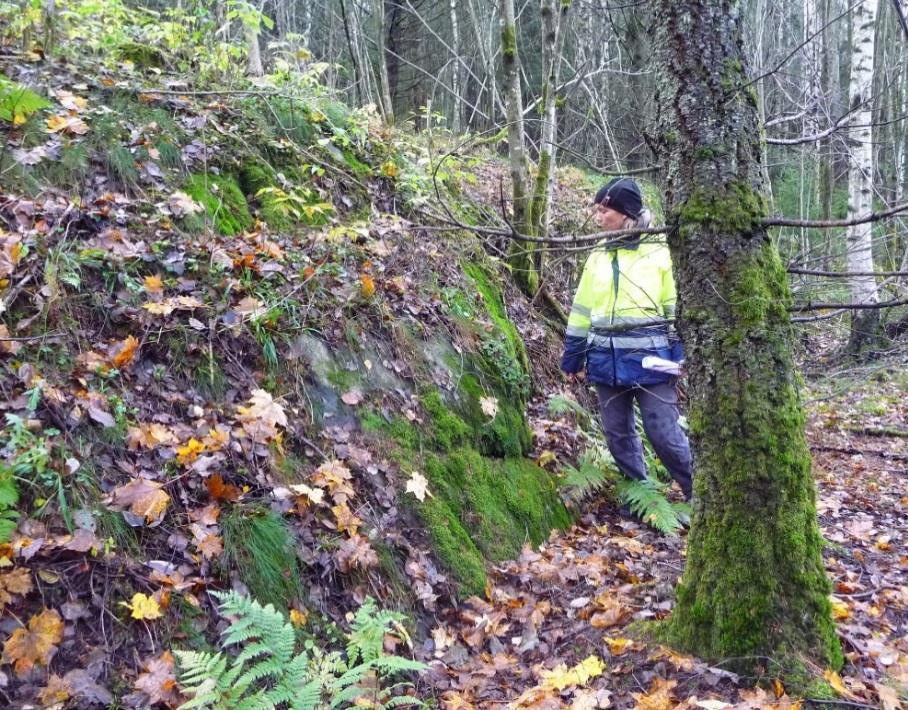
(231, 362)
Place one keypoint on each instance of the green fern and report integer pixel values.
(268, 672)
(594, 472)
(17, 103)
(647, 500)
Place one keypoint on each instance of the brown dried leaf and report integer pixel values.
(659, 696)
(35, 644)
(159, 681)
(15, 582)
(143, 498)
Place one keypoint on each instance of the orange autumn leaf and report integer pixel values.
(367, 285)
(659, 696)
(35, 644)
(149, 436)
(219, 490)
(124, 352)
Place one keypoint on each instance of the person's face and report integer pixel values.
(608, 218)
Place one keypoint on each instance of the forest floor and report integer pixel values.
(560, 628)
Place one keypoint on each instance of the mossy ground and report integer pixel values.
(225, 206)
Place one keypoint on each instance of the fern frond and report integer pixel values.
(647, 500)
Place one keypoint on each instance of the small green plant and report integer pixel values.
(17, 102)
(270, 671)
(300, 203)
(647, 499)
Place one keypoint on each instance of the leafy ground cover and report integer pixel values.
(565, 625)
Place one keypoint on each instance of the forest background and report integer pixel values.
(283, 293)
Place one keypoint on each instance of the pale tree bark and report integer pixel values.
(520, 256)
(554, 16)
(865, 323)
(455, 67)
(755, 586)
(387, 102)
(254, 55)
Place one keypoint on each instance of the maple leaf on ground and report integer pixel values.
(123, 353)
(8, 347)
(159, 681)
(67, 124)
(57, 691)
(15, 582)
(11, 251)
(181, 204)
(262, 416)
(418, 486)
(35, 644)
(560, 677)
(142, 497)
(355, 552)
(334, 476)
(346, 521)
(189, 452)
(143, 606)
(221, 491)
(149, 436)
(659, 696)
(153, 285)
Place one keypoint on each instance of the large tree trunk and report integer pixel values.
(755, 586)
(865, 324)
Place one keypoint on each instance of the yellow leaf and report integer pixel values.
(618, 646)
(560, 677)
(659, 696)
(389, 169)
(154, 284)
(545, 458)
(298, 618)
(143, 606)
(835, 680)
(35, 644)
(190, 451)
(840, 610)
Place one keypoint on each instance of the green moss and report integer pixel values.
(755, 585)
(454, 547)
(260, 550)
(447, 430)
(257, 176)
(740, 209)
(223, 201)
(397, 430)
(505, 434)
(509, 42)
(503, 503)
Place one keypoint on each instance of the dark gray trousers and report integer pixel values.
(659, 410)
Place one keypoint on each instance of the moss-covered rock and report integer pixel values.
(224, 203)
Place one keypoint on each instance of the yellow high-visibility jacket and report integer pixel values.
(614, 323)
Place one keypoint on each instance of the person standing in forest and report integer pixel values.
(618, 318)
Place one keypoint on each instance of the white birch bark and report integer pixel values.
(860, 172)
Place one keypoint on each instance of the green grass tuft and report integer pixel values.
(259, 547)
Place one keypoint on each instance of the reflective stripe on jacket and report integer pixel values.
(610, 329)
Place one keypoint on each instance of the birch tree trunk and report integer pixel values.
(520, 254)
(865, 324)
(455, 69)
(554, 14)
(381, 32)
(755, 586)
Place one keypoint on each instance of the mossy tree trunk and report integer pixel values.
(755, 586)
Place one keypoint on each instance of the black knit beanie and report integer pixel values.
(621, 194)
